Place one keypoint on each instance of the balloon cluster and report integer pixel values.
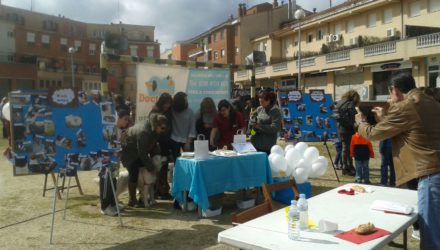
(299, 161)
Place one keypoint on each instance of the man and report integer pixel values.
(412, 123)
(137, 144)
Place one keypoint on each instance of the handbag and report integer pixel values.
(240, 137)
(201, 148)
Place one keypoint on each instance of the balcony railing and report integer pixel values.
(380, 49)
(260, 70)
(306, 62)
(428, 40)
(338, 56)
(242, 73)
(279, 67)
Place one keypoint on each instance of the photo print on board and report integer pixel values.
(286, 113)
(298, 121)
(73, 121)
(23, 146)
(20, 99)
(19, 131)
(323, 109)
(21, 164)
(17, 114)
(38, 145)
(96, 160)
(319, 122)
(49, 128)
(85, 162)
(106, 113)
(83, 98)
(301, 107)
(72, 164)
(49, 146)
(327, 123)
(109, 133)
(284, 101)
(36, 127)
(41, 163)
(309, 120)
(81, 140)
(63, 142)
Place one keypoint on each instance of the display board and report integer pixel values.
(307, 116)
(62, 128)
(153, 80)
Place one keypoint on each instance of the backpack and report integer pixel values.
(342, 115)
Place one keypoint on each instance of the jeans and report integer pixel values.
(386, 159)
(338, 158)
(429, 211)
(346, 159)
(362, 171)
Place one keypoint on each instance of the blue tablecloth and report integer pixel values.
(203, 178)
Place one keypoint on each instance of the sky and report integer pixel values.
(175, 20)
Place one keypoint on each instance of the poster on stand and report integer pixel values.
(61, 128)
(307, 116)
(153, 80)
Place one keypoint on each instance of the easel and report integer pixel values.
(60, 188)
(331, 159)
(56, 193)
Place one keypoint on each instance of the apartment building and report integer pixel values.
(34, 52)
(355, 45)
(229, 42)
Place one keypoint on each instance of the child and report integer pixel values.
(361, 150)
(386, 156)
(338, 158)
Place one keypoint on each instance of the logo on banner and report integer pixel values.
(155, 87)
(295, 96)
(317, 95)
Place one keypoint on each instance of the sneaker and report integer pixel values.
(110, 211)
(416, 234)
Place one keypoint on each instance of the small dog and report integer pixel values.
(146, 181)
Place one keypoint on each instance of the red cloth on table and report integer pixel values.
(347, 192)
(353, 237)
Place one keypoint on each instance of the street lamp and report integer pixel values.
(299, 14)
(71, 51)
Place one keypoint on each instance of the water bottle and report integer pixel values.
(303, 212)
(293, 223)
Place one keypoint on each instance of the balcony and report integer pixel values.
(306, 62)
(380, 49)
(429, 40)
(260, 70)
(338, 56)
(195, 52)
(242, 73)
(279, 67)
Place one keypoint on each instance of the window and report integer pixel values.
(310, 38)
(295, 43)
(215, 55)
(10, 34)
(350, 26)
(59, 83)
(221, 35)
(77, 45)
(371, 20)
(41, 84)
(63, 44)
(30, 39)
(133, 50)
(150, 51)
(337, 28)
(320, 35)
(434, 5)
(414, 8)
(223, 53)
(92, 49)
(388, 15)
(237, 50)
(213, 37)
(45, 40)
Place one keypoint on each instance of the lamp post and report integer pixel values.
(299, 14)
(71, 51)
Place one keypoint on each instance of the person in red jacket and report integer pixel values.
(361, 150)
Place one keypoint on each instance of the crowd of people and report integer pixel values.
(172, 127)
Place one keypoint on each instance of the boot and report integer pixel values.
(132, 194)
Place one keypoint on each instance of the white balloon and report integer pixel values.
(311, 154)
(277, 163)
(289, 170)
(300, 175)
(293, 157)
(301, 147)
(300, 164)
(288, 147)
(276, 149)
(6, 111)
(321, 159)
(318, 169)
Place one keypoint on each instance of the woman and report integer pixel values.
(163, 107)
(108, 203)
(205, 118)
(266, 123)
(136, 145)
(183, 129)
(226, 123)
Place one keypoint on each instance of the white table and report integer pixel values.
(270, 231)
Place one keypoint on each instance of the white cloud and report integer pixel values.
(174, 19)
